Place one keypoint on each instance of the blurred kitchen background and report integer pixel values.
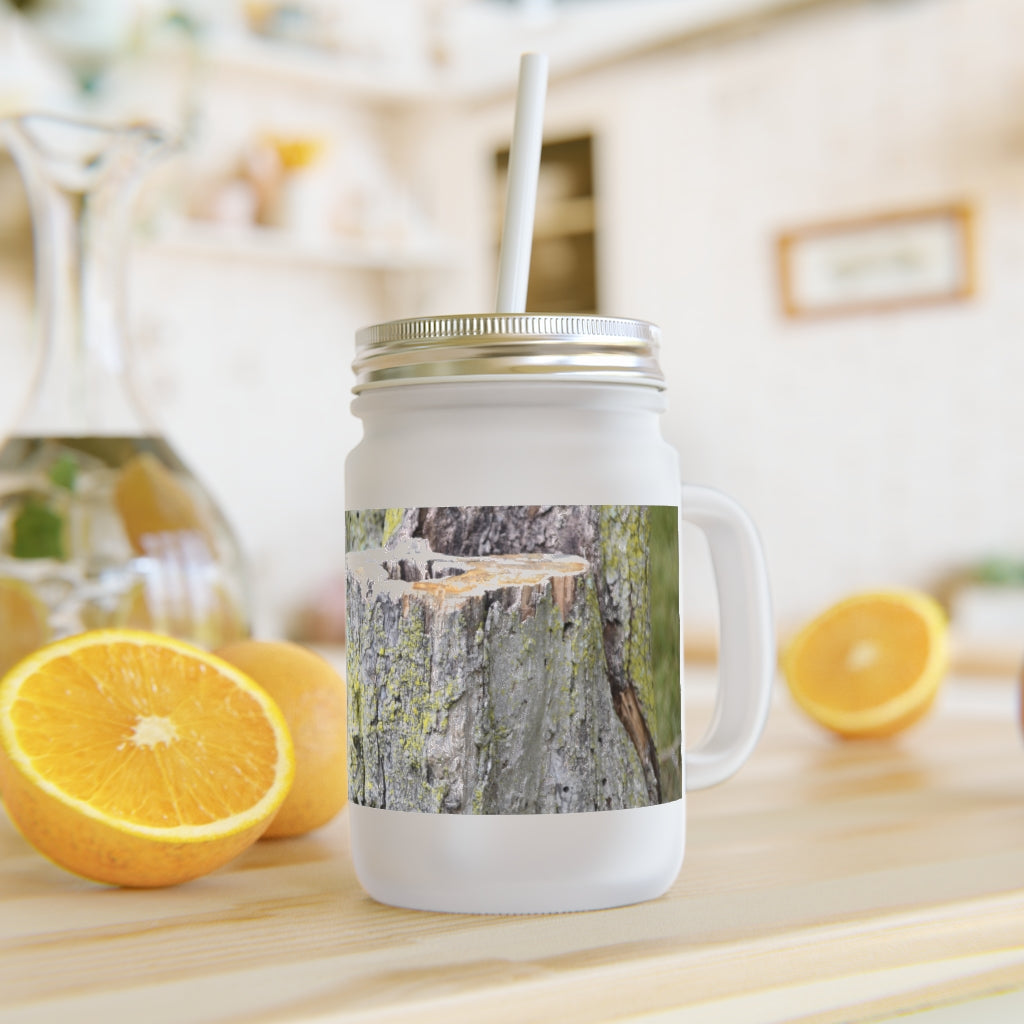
(821, 202)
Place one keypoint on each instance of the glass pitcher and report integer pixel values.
(101, 523)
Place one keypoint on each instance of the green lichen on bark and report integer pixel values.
(354, 700)
(623, 554)
(392, 520)
(409, 704)
(624, 532)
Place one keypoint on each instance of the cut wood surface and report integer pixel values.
(826, 882)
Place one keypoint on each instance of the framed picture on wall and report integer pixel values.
(877, 263)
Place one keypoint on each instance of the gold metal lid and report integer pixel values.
(489, 346)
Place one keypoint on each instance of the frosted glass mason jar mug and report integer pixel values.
(514, 669)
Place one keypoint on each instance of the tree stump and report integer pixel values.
(479, 684)
(615, 540)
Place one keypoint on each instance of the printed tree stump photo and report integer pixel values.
(500, 660)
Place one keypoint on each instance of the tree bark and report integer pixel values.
(479, 683)
(614, 539)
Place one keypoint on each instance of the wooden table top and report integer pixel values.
(827, 881)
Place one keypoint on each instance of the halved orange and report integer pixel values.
(871, 664)
(137, 759)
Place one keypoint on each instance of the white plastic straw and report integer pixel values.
(521, 198)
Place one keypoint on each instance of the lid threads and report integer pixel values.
(488, 346)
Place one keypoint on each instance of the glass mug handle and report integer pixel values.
(746, 661)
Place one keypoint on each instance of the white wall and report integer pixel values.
(251, 381)
(872, 450)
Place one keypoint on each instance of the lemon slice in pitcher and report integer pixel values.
(24, 622)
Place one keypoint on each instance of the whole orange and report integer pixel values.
(311, 696)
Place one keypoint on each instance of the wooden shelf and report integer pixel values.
(197, 239)
(309, 68)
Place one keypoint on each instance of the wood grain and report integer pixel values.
(827, 881)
